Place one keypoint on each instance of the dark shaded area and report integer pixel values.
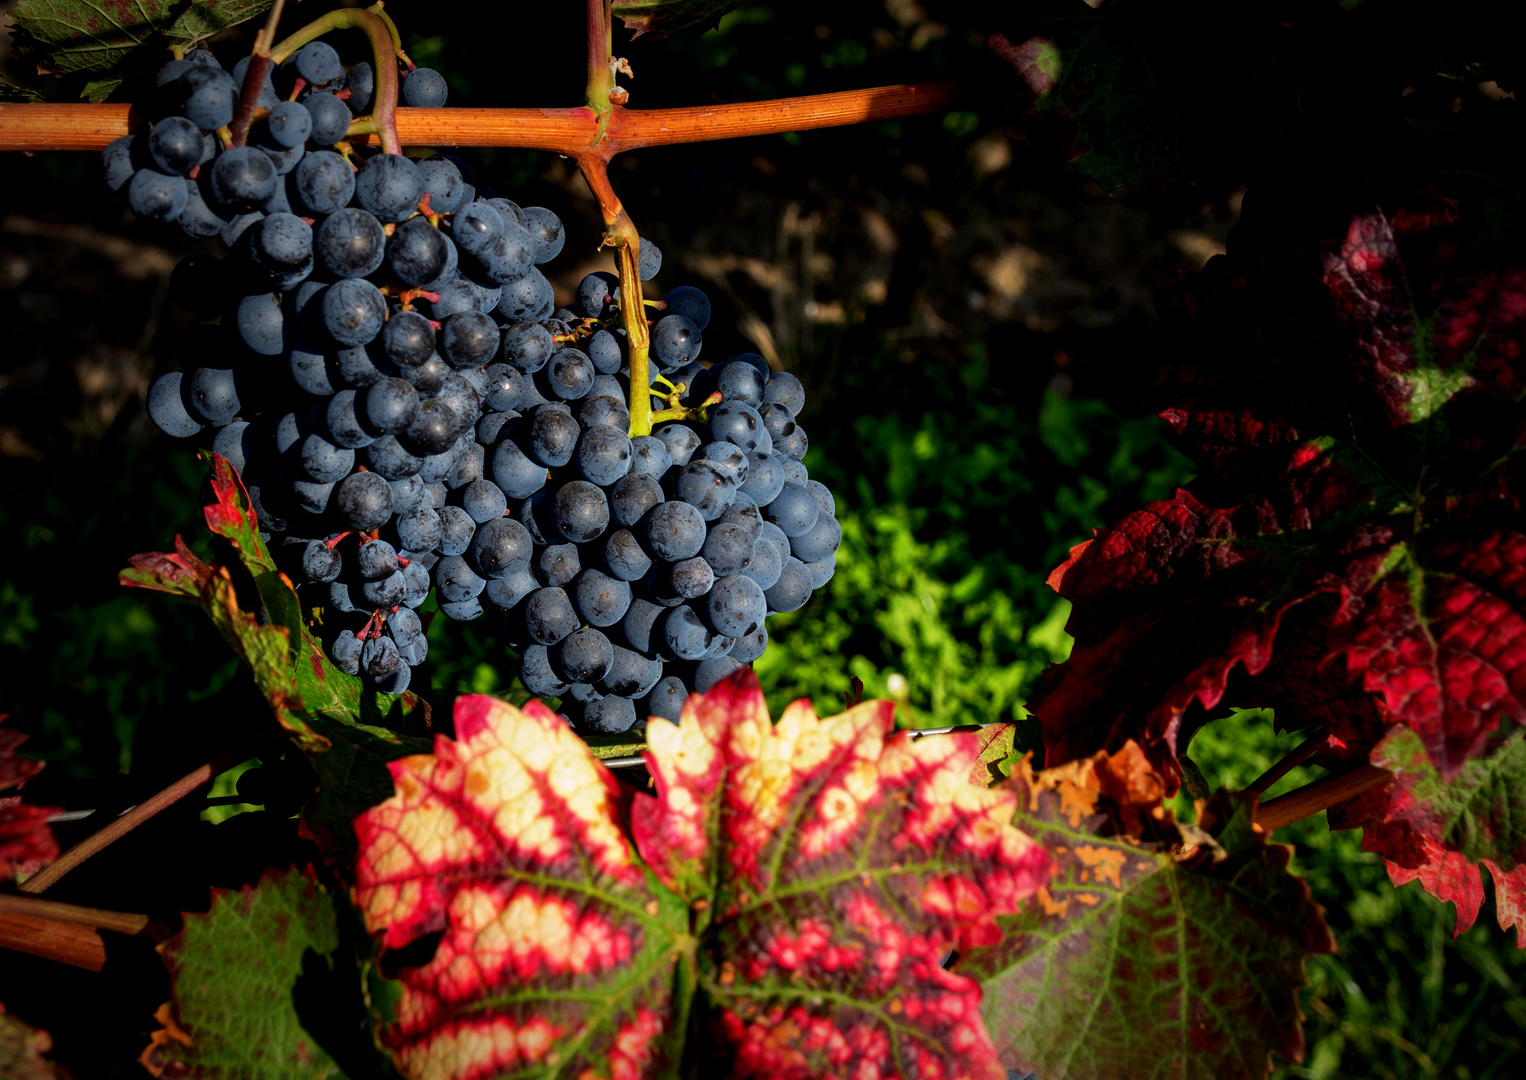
(970, 311)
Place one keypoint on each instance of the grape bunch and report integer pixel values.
(411, 413)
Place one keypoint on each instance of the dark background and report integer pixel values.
(969, 300)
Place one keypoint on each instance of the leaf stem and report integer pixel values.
(119, 922)
(254, 76)
(1290, 761)
(1320, 795)
(100, 840)
(600, 39)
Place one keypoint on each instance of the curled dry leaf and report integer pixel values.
(787, 897)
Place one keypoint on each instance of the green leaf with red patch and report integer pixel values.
(1156, 949)
(670, 16)
(233, 971)
(334, 716)
(787, 896)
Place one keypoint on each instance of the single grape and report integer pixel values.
(684, 635)
(328, 120)
(434, 428)
(537, 673)
(581, 511)
(456, 581)
(681, 442)
(345, 651)
(318, 63)
(624, 557)
(583, 656)
(596, 292)
(794, 511)
(443, 184)
(389, 186)
(324, 462)
(424, 88)
(351, 243)
(603, 455)
(469, 339)
(689, 303)
(784, 389)
(353, 311)
(608, 715)
(212, 395)
(546, 230)
(667, 698)
(792, 589)
(765, 477)
(210, 96)
(675, 342)
(728, 547)
(690, 578)
(673, 531)
(242, 179)
(600, 600)
(155, 195)
(530, 297)
(175, 145)
(282, 243)
(360, 80)
(290, 124)
(419, 253)
(364, 499)
(548, 616)
(750, 646)
(706, 486)
(376, 559)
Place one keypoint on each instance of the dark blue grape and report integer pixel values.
(528, 345)
(673, 531)
(213, 395)
(581, 511)
(764, 566)
(262, 325)
(823, 496)
(784, 389)
(389, 186)
(364, 500)
(557, 564)
(765, 478)
(318, 63)
(312, 496)
(235, 442)
(740, 382)
(546, 230)
(583, 656)
(596, 292)
(456, 581)
(328, 119)
(681, 442)
(649, 262)
(210, 96)
(464, 611)
(691, 304)
(324, 183)
(500, 548)
(603, 455)
(794, 471)
(819, 542)
(119, 160)
(624, 557)
(727, 455)
(728, 548)
(353, 311)
(822, 570)
(456, 530)
(483, 500)
(709, 672)
(739, 423)
(345, 651)
(408, 339)
(506, 258)
(356, 367)
(320, 563)
(242, 179)
(197, 220)
(684, 634)
(290, 124)
(675, 342)
(418, 253)
(667, 698)
(376, 559)
(706, 486)
(389, 460)
(351, 243)
(323, 462)
(603, 411)
(570, 374)
(360, 81)
(517, 475)
(537, 673)
(236, 226)
(282, 243)
(736, 606)
(406, 494)
(793, 588)
(390, 406)
(475, 226)
(794, 511)
(469, 339)
(553, 436)
(424, 88)
(156, 195)
(504, 593)
(548, 616)
(175, 145)
(600, 600)
(794, 444)
(433, 429)
(416, 586)
(530, 297)
(690, 578)
(442, 183)
(419, 529)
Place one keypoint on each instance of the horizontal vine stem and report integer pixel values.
(120, 922)
(562, 131)
(1320, 795)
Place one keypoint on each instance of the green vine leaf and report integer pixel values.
(670, 16)
(782, 906)
(114, 39)
(1156, 950)
(233, 970)
(328, 713)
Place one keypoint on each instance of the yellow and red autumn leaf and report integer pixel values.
(789, 894)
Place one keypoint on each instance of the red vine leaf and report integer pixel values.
(994, 745)
(14, 770)
(26, 841)
(1510, 900)
(1349, 554)
(669, 16)
(1153, 951)
(794, 888)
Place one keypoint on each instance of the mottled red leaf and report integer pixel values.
(794, 889)
(26, 841)
(21, 1051)
(1351, 552)
(1153, 952)
(14, 770)
(1510, 900)
(994, 745)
